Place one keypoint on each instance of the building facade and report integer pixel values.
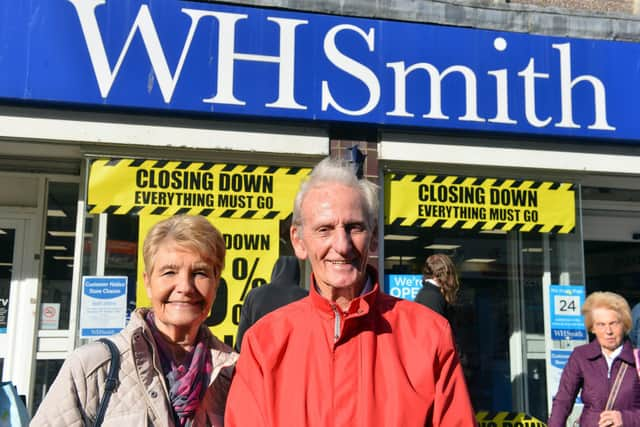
(501, 133)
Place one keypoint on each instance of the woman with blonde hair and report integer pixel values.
(604, 369)
(440, 284)
(173, 370)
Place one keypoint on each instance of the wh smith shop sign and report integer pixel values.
(219, 60)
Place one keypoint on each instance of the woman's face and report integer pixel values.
(182, 287)
(608, 328)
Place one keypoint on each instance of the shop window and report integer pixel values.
(612, 241)
(503, 266)
(614, 266)
(537, 388)
(7, 240)
(58, 258)
(46, 371)
(122, 253)
(490, 267)
(480, 321)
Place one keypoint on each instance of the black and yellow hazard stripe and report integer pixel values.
(403, 189)
(112, 187)
(507, 419)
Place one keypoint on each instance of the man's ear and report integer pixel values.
(295, 234)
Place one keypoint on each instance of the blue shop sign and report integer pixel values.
(220, 60)
(404, 286)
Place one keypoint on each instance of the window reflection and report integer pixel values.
(481, 314)
(58, 250)
(490, 266)
(7, 240)
(122, 253)
(46, 371)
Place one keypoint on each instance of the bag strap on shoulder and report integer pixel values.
(112, 379)
(613, 394)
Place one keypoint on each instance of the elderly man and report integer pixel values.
(346, 355)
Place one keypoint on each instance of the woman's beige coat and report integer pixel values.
(141, 398)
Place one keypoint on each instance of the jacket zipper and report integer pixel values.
(336, 323)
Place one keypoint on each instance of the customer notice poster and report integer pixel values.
(103, 308)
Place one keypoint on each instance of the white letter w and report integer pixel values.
(104, 74)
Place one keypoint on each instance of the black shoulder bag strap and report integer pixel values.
(112, 379)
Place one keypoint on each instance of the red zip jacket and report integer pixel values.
(383, 362)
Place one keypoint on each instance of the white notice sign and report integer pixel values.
(49, 315)
(104, 305)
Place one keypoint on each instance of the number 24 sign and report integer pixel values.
(566, 305)
(566, 302)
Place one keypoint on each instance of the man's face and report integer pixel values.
(335, 237)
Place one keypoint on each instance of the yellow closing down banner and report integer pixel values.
(479, 203)
(161, 187)
(507, 419)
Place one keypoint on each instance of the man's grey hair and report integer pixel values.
(338, 171)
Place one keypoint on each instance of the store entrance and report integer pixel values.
(11, 249)
(7, 245)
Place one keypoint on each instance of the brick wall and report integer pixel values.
(628, 7)
(369, 149)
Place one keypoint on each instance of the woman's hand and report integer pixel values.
(610, 419)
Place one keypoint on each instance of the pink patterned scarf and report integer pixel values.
(187, 381)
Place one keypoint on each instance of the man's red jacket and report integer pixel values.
(383, 362)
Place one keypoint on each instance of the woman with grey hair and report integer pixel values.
(604, 369)
(173, 371)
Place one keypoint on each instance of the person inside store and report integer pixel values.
(283, 289)
(634, 335)
(603, 371)
(173, 370)
(440, 284)
(347, 354)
